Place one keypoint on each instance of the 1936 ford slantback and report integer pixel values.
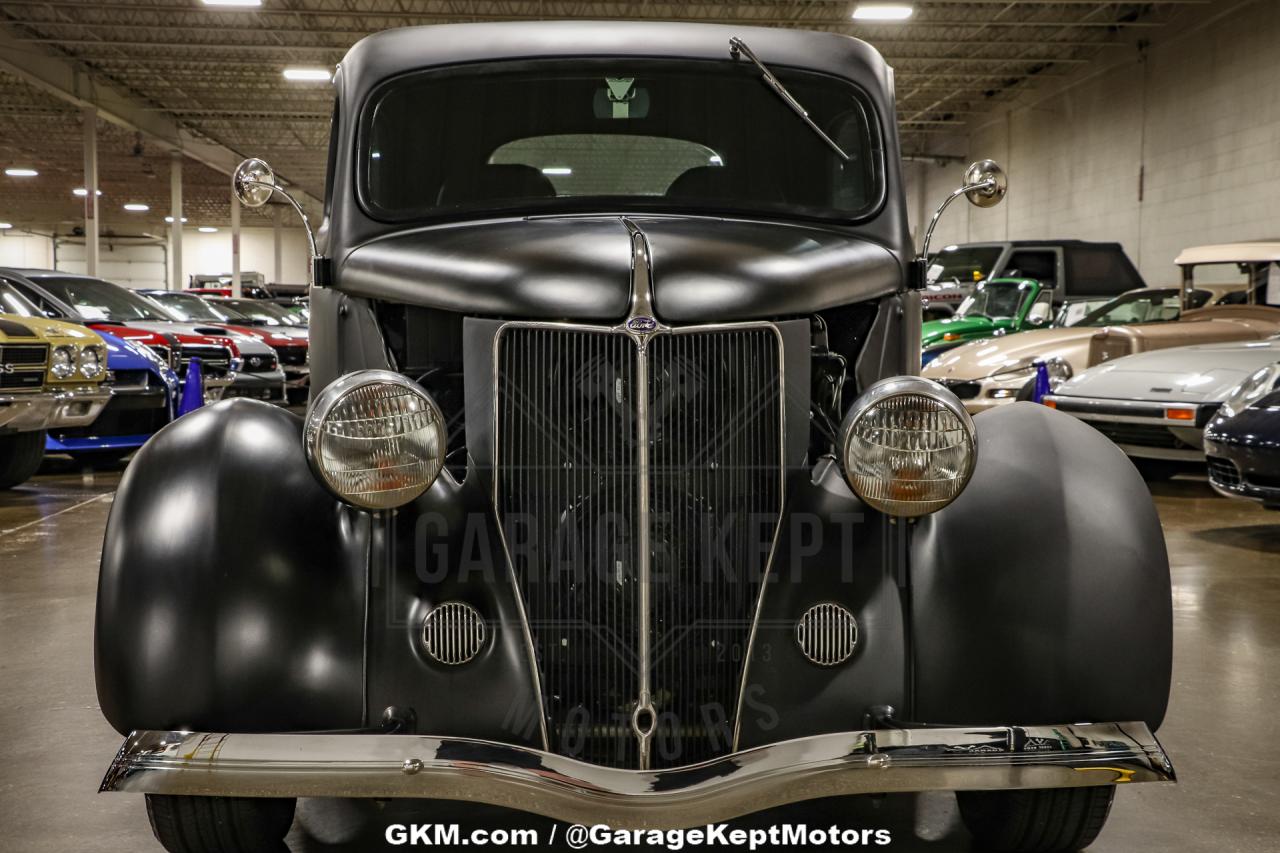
(616, 500)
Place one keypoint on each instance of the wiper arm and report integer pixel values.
(738, 46)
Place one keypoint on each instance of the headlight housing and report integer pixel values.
(375, 439)
(93, 361)
(1257, 386)
(908, 447)
(63, 363)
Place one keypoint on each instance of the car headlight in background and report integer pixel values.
(1258, 385)
(375, 438)
(63, 362)
(908, 446)
(93, 361)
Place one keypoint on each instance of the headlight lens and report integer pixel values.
(1257, 386)
(64, 361)
(376, 439)
(908, 446)
(92, 361)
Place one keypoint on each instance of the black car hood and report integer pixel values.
(704, 269)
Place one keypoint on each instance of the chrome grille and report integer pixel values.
(453, 633)
(566, 489)
(827, 634)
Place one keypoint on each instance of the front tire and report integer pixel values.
(1051, 820)
(220, 824)
(20, 456)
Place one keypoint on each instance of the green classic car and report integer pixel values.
(996, 307)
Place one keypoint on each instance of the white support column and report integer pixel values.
(175, 230)
(235, 246)
(89, 116)
(277, 237)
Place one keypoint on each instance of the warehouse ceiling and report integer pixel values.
(217, 71)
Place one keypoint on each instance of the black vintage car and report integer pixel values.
(616, 499)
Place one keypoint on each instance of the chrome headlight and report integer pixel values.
(93, 360)
(375, 438)
(908, 446)
(1257, 386)
(63, 364)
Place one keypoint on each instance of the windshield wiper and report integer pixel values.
(738, 46)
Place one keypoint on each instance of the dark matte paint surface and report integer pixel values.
(1042, 594)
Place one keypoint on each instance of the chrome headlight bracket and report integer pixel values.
(907, 446)
(375, 439)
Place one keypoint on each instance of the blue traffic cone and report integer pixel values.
(192, 389)
(1042, 388)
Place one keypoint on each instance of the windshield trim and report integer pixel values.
(615, 205)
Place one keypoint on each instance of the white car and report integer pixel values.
(1155, 405)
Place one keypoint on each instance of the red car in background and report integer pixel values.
(288, 338)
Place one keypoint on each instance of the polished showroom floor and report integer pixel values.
(1223, 731)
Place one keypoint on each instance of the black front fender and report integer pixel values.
(1042, 594)
(218, 527)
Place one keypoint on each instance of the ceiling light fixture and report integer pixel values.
(82, 192)
(557, 170)
(169, 219)
(17, 172)
(249, 3)
(206, 229)
(882, 12)
(5, 226)
(308, 75)
(135, 207)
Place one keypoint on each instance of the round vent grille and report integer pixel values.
(827, 634)
(453, 633)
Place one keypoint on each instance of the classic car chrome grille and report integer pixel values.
(24, 355)
(567, 488)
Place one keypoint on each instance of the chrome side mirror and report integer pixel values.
(985, 185)
(254, 182)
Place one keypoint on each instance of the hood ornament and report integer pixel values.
(641, 324)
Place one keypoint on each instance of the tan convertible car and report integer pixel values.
(1231, 292)
(993, 371)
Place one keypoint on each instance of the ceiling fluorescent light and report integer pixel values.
(135, 207)
(82, 192)
(557, 170)
(5, 226)
(169, 219)
(207, 229)
(308, 74)
(247, 3)
(882, 12)
(16, 172)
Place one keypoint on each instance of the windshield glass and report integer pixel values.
(102, 300)
(962, 264)
(13, 302)
(993, 299)
(1150, 306)
(192, 309)
(263, 312)
(603, 135)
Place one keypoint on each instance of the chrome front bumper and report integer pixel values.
(48, 409)
(860, 762)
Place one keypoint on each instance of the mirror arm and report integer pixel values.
(981, 186)
(306, 226)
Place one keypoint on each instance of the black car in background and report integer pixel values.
(1242, 442)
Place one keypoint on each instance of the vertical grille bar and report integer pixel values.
(566, 452)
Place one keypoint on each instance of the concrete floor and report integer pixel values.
(1222, 731)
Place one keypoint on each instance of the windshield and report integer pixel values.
(192, 309)
(263, 312)
(963, 264)
(1148, 306)
(13, 302)
(102, 300)
(993, 300)
(599, 135)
